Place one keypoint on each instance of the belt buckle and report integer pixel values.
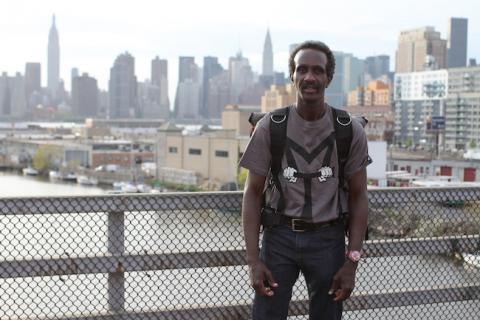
(297, 228)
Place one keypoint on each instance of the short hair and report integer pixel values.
(315, 45)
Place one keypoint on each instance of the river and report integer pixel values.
(14, 185)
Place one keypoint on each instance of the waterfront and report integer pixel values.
(15, 185)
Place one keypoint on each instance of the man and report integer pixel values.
(317, 248)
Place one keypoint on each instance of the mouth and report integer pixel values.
(310, 89)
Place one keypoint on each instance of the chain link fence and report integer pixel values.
(181, 256)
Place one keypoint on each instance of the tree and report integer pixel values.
(242, 178)
(409, 143)
(472, 144)
(45, 159)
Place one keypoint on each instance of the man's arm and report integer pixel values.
(251, 206)
(344, 280)
(358, 209)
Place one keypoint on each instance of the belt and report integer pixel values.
(274, 219)
(300, 225)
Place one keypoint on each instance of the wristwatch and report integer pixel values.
(353, 255)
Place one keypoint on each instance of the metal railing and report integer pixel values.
(181, 256)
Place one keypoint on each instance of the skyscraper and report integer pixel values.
(240, 76)
(12, 96)
(420, 49)
(349, 71)
(218, 94)
(33, 75)
(84, 96)
(188, 99)
(267, 66)
(211, 68)
(187, 69)
(33, 85)
(122, 88)
(377, 66)
(53, 65)
(187, 84)
(457, 42)
(160, 79)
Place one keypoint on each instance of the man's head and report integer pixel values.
(314, 45)
(311, 70)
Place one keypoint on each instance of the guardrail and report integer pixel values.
(181, 256)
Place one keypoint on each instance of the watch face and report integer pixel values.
(354, 255)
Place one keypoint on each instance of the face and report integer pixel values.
(310, 75)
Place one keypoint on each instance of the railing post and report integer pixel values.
(116, 280)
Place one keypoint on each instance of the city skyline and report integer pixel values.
(94, 34)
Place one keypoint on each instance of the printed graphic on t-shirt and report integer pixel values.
(291, 173)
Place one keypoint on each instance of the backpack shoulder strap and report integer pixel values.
(342, 123)
(278, 138)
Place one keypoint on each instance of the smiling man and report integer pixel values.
(301, 160)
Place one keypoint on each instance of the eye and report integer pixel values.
(301, 69)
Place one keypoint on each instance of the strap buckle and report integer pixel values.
(296, 225)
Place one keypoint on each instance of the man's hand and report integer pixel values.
(261, 279)
(343, 281)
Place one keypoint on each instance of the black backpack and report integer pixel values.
(278, 135)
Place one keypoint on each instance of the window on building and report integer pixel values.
(221, 153)
(195, 151)
(172, 149)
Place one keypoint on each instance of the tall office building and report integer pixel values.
(33, 85)
(160, 79)
(74, 72)
(53, 64)
(267, 65)
(187, 69)
(462, 108)
(417, 97)
(457, 42)
(240, 76)
(377, 66)
(349, 74)
(33, 76)
(188, 100)
(122, 88)
(84, 96)
(12, 96)
(419, 50)
(211, 68)
(218, 94)
(149, 102)
(187, 73)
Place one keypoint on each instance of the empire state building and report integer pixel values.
(53, 64)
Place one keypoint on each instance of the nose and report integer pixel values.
(309, 76)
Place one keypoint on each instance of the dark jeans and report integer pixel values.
(317, 254)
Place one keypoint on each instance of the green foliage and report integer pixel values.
(472, 144)
(177, 186)
(242, 178)
(45, 158)
(409, 143)
(408, 222)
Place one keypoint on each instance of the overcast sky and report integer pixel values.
(93, 33)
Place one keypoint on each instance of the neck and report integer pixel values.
(311, 111)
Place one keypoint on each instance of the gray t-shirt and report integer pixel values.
(310, 147)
